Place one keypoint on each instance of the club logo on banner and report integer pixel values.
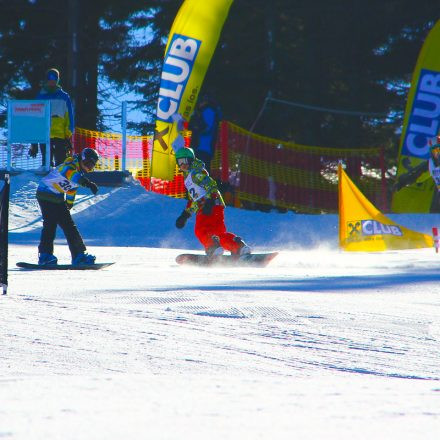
(424, 119)
(177, 68)
(190, 47)
(421, 123)
(370, 231)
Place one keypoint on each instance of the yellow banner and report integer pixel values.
(364, 228)
(191, 44)
(422, 122)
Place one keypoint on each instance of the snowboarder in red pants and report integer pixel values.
(205, 200)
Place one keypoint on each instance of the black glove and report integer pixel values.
(33, 151)
(91, 185)
(182, 219)
(207, 206)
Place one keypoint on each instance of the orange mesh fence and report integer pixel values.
(138, 159)
(264, 172)
(257, 172)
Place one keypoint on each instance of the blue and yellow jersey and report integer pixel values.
(62, 183)
(200, 186)
(61, 112)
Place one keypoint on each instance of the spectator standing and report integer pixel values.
(62, 121)
(204, 127)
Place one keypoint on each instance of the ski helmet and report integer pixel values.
(185, 156)
(185, 153)
(89, 157)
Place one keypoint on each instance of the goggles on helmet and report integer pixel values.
(183, 161)
(89, 163)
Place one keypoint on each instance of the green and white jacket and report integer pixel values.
(200, 187)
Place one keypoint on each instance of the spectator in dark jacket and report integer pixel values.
(204, 127)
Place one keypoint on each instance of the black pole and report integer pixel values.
(4, 216)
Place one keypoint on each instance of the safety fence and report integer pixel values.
(134, 156)
(265, 173)
(254, 172)
(20, 158)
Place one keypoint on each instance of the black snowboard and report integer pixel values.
(255, 260)
(31, 266)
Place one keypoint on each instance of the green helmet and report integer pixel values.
(185, 153)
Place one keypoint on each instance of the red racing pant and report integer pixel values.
(214, 224)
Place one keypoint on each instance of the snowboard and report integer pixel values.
(31, 266)
(250, 260)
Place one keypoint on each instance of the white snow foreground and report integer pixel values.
(319, 345)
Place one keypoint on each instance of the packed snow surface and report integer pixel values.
(321, 344)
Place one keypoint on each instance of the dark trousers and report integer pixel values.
(55, 214)
(59, 150)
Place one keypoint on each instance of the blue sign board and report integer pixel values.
(28, 121)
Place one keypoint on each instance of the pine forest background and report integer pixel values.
(336, 73)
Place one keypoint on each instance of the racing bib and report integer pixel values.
(196, 192)
(57, 183)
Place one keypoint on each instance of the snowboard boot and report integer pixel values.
(215, 250)
(242, 249)
(83, 259)
(46, 259)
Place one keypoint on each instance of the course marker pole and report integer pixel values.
(436, 239)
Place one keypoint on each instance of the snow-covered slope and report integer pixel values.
(321, 344)
(131, 216)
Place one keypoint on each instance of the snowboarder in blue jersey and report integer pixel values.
(56, 195)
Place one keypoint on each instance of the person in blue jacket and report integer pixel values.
(204, 129)
(62, 122)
